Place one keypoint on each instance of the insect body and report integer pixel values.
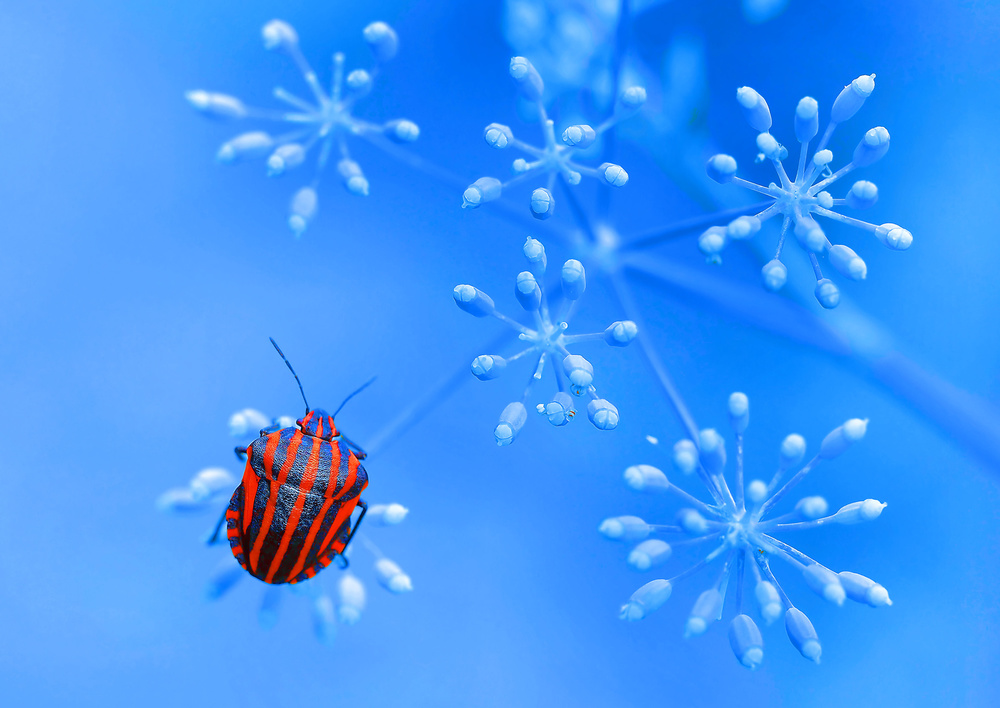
(290, 517)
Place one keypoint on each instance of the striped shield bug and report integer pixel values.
(290, 517)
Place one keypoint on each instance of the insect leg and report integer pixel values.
(241, 452)
(355, 448)
(341, 558)
(218, 527)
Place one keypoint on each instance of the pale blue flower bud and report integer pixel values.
(739, 412)
(621, 334)
(352, 177)
(859, 512)
(382, 40)
(692, 522)
(862, 195)
(180, 501)
(528, 80)
(774, 274)
(768, 601)
(386, 514)
(303, 210)
(721, 168)
(649, 554)
(401, 130)
(862, 589)
(285, 157)
(810, 235)
(771, 148)
(743, 227)
(473, 300)
(825, 583)
(624, 528)
(245, 146)
(511, 421)
(894, 237)
(746, 641)
(802, 635)
(247, 422)
(713, 451)
(646, 600)
(498, 136)
(602, 414)
(872, 147)
(580, 373)
(810, 508)
(646, 478)
(581, 136)
(847, 262)
(822, 158)
(615, 175)
(359, 82)
(527, 292)
(484, 189)
(755, 109)
(350, 598)
(542, 203)
(712, 241)
(707, 608)
(806, 119)
(487, 367)
(534, 251)
(632, 98)
(574, 279)
(756, 491)
(210, 482)
(391, 577)
(559, 410)
(793, 449)
(216, 105)
(852, 98)
(827, 293)
(279, 35)
(685, 456)
(842, 437)
(324, 620)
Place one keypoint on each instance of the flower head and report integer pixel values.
(555, 159)
(326, 121)
(547, 340)
(798, 200)
(736, 529)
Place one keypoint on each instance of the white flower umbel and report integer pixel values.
(546, 341)
(798, 200)
(556, 157)
(738, 531)
(326, 121)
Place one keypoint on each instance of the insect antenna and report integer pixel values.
(289, 364)
(365, 385)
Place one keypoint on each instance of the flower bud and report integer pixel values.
(352, 177)
(646, 478)
(391, 577)
(739, 412)
(862, 589)
(247, 422)
(559, 410)
(873, 146)
(401, 131)
(580, 373)
(303, 210)
(382, 40)
(847, 262)
(574, 279)
(685, 456)
(825, 583)
(648, 554)
(806, 119)
(386, 514)
(602, 414)
(894, 237)
(484, 189)
(862, 195)
(528, 80)
(350, 598)
(802, 635)
(279, 35)
(621, 334)
(512, 419)
(624, 528)
(775, 275)
(498, 136)
(542, 203)
(713, 451)
(581, 136)
(646, 600)
(244, 147)
(852, 98)
(745, 639)
(473, 300)
(707, 608)
(613, 174)
(842, 437)
(721, 168)
(827, 293)
(527, 291)
(755, 109)
(216, 105)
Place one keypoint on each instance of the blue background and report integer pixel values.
(139, 282)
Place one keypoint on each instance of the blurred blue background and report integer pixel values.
(139, 282)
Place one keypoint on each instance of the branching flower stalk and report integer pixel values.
(327, 121)
(735, 527)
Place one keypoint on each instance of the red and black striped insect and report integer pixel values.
(290, 517)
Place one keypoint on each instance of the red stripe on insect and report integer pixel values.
(272, 501)
(308, 477)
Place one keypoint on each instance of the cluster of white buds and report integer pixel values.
(546, 341)
(734, 524)
(799, 199)
(556, 157)
(327, 121)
